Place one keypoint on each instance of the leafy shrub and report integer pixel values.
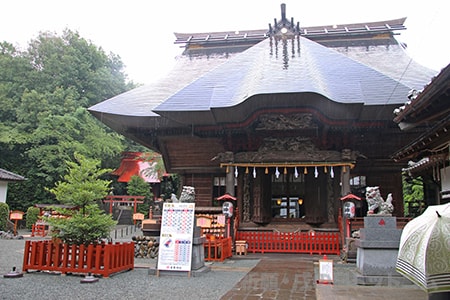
(90, 227)
(32, 216)
(4, 211)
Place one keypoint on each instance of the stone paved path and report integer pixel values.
(277, 277)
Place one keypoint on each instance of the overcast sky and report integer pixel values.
(141, 31)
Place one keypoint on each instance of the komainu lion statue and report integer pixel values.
(187, 195)
(376, 203)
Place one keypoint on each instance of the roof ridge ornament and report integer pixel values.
(284, 27)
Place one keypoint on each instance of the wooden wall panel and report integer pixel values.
(203, 184)
(192, 152)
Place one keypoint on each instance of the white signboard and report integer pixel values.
(177, 228)
(325, 271)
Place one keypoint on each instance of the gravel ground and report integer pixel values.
(138, 284)
(135, 284)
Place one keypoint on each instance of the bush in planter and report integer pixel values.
(32, 216)
(82, 188)
(91, 227)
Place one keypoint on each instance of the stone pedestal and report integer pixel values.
(198, 253)
(377, 251)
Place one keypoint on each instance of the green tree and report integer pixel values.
(413, 195)
(82, 187)
(44, 93)
(138, 187)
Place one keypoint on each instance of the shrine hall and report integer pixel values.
(286, 119)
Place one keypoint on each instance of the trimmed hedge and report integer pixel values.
(32, 216)
(4, 216)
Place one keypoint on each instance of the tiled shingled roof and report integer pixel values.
(430, 109)
(139, 109)
(10, 176)
(291, 66)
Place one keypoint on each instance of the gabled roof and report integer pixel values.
(138, 164)
(429, 108)
(10, 176)
(432, 100)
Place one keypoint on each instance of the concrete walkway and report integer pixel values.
(293, 276)
(277, 276)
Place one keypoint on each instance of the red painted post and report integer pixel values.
(106, 251)
(26, 257)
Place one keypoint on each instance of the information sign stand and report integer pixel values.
(177, 230)
(325, 271)
(16, 215)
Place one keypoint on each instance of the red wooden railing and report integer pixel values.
(39, 229)
(123, 199)
(291, 242)
(218, 249)
(99, 259)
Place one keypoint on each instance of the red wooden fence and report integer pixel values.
(291, 242)
(39, 229)
(218, 249)
(100, 259)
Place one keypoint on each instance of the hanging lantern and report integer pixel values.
(266, 171)
(228, 169)
(277, 173)
(305, 171)
(246, 170)
(325, 170)
(254, 172)
(344, 169)
(331, 172)
(236, 172)
(285, 170)
(295, 172)
(316, 172)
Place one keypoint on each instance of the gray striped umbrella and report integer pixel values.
(424, 253)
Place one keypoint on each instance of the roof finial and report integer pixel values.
(283, 11)
(284, 26)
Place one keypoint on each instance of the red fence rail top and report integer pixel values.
(124, 199)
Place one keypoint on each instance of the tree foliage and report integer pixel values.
(91, 227)
(81, 187)
(413, 195)
(32, 216)
(82, 184)
(139, 187)
(45, 91)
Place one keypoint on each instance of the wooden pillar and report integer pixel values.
(229, 181)
(345, 180)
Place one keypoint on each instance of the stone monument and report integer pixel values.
(377, 247)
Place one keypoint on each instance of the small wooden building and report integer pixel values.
(5, 178)
(288, 119)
